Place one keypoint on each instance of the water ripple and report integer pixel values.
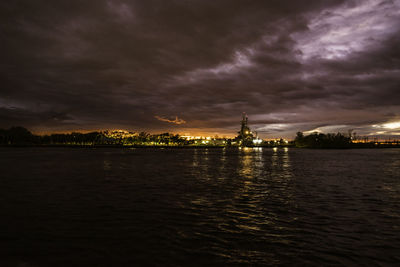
(121, 207)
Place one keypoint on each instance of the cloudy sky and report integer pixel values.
(193, 66)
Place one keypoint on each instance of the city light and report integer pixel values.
(257, 141)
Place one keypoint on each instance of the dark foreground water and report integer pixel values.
(225, 207)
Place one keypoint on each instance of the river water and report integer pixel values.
(185, 207)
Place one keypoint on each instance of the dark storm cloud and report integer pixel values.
(291, 66)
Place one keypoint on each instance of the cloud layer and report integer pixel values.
(119, 64)
(175, 121)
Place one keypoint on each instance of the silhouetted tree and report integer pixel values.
(319, 140)
(17, 136)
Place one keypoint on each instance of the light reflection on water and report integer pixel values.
(249, 206)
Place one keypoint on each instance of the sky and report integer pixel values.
(193, 66)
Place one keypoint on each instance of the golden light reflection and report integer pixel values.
(223, 160)
(195, 158)
(280, 164)
(245, 159)
(201, 162)
(286, 166)
(251, 168)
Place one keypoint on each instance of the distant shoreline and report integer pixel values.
(22, 137)
(188, 147)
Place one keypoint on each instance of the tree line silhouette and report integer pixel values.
(21, 136)
(320, 140)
